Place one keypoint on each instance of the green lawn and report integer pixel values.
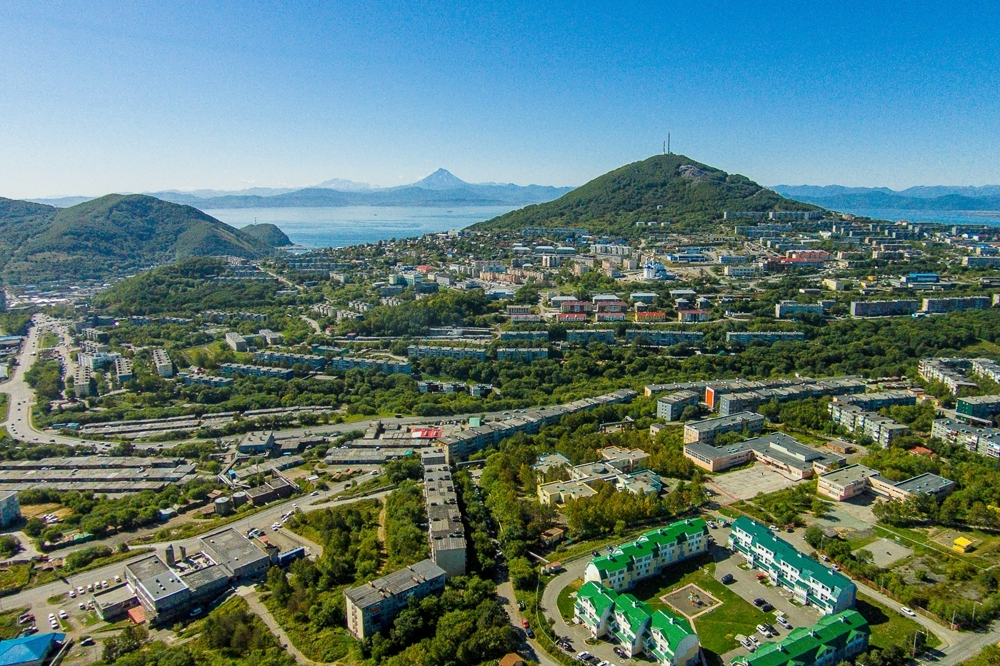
(565, 601)
(889, 626)
(718, 628)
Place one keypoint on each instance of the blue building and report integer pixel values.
(30, 650)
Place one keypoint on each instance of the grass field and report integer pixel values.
(889, 626)
(565, 601)
(716, 629)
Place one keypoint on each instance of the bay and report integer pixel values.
(355, 225)
(988, 217)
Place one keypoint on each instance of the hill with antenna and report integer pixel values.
(667, 188)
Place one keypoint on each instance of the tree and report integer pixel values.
(277, 582)
(522, 574)
(131, 638)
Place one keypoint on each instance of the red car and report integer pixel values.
(525, 624)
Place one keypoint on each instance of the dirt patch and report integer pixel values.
(690, 601)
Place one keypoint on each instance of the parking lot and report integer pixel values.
(747, 483)
(886, 552)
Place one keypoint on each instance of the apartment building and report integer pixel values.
(978, 409)
(706, 431)
(123, 370)
(984, 441)
(423, 351)
(791, 308)
(648, 555)
(938, 305)
(445, 531)
(671, 406)
(311, 361)
(587, 335)
(236, 341)
(810, 582)
(81, 381)
(765, 337)
(726, 401)
(872, 402)
(835, 639)
(949, 371)
(884, 308)
(527, 354)
(461, 443)
(256, 371)
(662, 338)
(162, 364)
(372, 607)
(666, 638)
(880, 429)
(389, 366)
(524, 335)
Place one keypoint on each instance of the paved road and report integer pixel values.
(21, 397)
(529, 648)
(37, 598)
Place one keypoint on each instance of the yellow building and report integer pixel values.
(961, 545)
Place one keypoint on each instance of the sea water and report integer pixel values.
(354, 225)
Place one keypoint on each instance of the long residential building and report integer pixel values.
(372, 607)
(445, 531)
(666, 638)
(648, 555)
(463, 443)
(255, 371)
(663, 338)
(834, 639)
(528, 354)
(312, 361)
(937, 305)
(236, 341)
(766, 337)
(810, 582)
(873, 402)
(884, 308)
(948, 371)
(671, 406)
(422, 351)
(706, 431)
(389, 366)
(984, 441)
(752, 400)
(880, 429)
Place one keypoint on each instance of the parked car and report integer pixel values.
(525, 623)
(758, 602)
(762, 630)
(907, 611)
(727, 579)
(62, 614)
(72, 593)
(784, 623)
(529, 633)
(767, 608)
(620, 652)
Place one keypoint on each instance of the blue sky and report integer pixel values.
(98, 97)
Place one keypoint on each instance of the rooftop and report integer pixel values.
(395, 583)
(27, 648)
(925, 484)
(850, 474)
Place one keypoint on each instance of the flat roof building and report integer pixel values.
(373, 606)
(706, 431)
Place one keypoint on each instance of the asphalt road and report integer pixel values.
(37, 598)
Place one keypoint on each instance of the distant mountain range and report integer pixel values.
(115, 235)
(664, 188)
(923, 197)
(441, 188)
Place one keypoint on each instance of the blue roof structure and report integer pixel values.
(27, 648)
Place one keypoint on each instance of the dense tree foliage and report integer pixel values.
(405, 518)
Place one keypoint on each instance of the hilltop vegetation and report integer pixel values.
(111, 236)
(184, 288)
(664, 188)
(268, 234)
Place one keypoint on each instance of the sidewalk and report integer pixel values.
(250, 594)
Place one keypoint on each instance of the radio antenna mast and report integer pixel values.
(668, 143)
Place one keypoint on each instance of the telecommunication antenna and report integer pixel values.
(668, 143)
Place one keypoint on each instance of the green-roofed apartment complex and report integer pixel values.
(835, 638)
(809, 581)
(648, 555)
(666, 637)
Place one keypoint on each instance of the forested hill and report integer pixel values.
(664, 188)
(111, 236)
(269, 234)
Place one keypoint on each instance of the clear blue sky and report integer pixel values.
(95, 97)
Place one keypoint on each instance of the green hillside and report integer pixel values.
(664, 188)
(183, 288)
(111, 236)
(269, 234)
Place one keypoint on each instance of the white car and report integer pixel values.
(62, 614)
(118, 579)
(104, 583)
(72, 593)
(80, 590)
(907, 611)
(763, 631)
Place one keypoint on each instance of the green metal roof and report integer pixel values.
(673, 628)
(600, 597)
(786, 552)
(637, 613)
(806, 645)
(649, 543)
